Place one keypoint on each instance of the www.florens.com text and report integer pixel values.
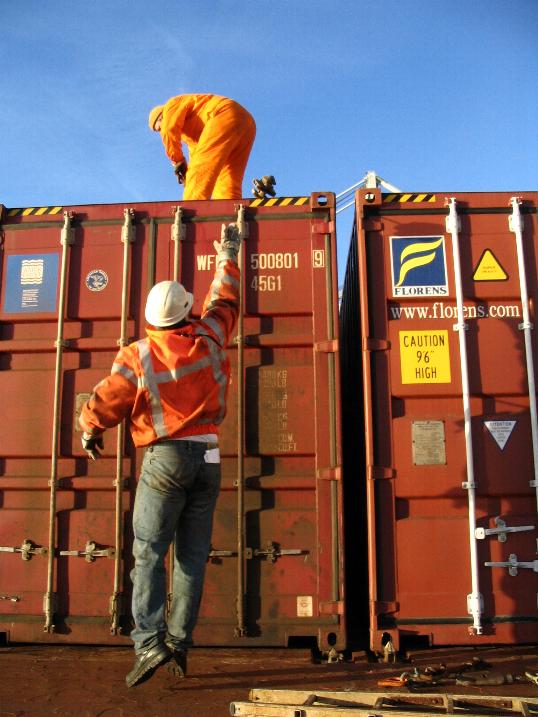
(442, 310)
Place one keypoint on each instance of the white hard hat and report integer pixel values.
(168, 302)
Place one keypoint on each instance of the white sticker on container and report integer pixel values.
(304, 606)
(500, 430)
(428, 443)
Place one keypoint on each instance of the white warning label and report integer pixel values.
(304, 606)
(500, 430)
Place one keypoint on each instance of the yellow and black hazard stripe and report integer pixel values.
(33, 211)
(414, 198)
(279, 201)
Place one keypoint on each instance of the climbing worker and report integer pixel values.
(219, 134)
(173, 387)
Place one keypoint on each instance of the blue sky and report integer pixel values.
(434, 95)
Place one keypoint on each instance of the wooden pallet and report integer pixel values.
(305, 703)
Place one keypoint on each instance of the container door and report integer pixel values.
(69, 296)
(275, 571)
(450, 469)
(74, 284)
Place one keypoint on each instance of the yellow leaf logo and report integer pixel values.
(414, 256)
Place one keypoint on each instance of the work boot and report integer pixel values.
(177, 665)
(146, 663)
(264, 187)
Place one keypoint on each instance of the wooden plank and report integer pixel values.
(261, 709)
(389, 701)
(371, 698)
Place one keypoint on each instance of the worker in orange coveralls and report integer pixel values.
(173, 386)
(219, 134)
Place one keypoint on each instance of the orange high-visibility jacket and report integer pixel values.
(219, 134)
(174, 383)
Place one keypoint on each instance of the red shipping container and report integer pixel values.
(74, 282)
(436, 298)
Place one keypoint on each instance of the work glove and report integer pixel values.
(264, 187)
(91, 444)
(180, 170)
(230, 241)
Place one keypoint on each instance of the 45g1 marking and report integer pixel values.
(266, 282)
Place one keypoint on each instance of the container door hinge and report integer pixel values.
(501, 530)
(27, 549)
(329, 473)
(372, 224)
(90, 552)
(514, 565)
(323, 227)
(10, 598)
(380, 473)
(371, 344)
(335, 607)
(327, 347)
(381, 607)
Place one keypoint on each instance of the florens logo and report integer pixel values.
(418, 266)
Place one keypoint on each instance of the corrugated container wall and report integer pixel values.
(438, 317)
(74, 282)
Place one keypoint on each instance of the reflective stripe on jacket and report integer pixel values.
(173, 383)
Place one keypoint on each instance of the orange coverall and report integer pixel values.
(174, 383)
(219, 134)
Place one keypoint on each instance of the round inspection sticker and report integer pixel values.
(97, 280)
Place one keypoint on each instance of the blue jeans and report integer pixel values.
(175, 500)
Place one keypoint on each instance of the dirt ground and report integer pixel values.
(90, 681)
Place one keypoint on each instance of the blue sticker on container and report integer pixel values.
(31, 283)
(418, 266)
(96, 280)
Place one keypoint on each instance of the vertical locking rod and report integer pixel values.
(241, 582)
(177, 235)
(127, 238)
(66, 239)
(515, 222)
(474, 600)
